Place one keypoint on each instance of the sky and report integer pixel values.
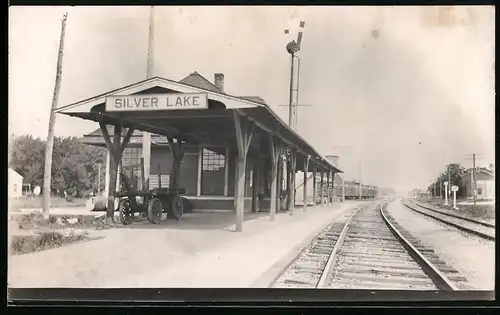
(404, 90)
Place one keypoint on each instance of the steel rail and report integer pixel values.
(326, 271)
(458, 226)
(457, 216)
(441, 281)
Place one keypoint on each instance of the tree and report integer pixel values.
(75, 165)
(27, 157)
(457, 173)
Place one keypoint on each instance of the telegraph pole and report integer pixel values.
(440, 188)
(52, 120)
(474, 177)
(449, 176)
(146, 136)
(434, 189)
(359, 175)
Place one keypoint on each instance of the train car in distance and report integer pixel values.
(351, 190)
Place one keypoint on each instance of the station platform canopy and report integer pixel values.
(137, 106)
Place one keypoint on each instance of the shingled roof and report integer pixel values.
(256, 99)
(111, 131)
(197, 80)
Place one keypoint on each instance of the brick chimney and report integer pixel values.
(219, 81)
(334, 159)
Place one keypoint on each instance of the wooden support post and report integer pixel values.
(177, 150)
(275, 149)
(106, 178)
(343, 188)
(146, 158)
(116, 149)
(260, 178)
(159, 176)
(292, 180)
(243, 139)
(143, 179)
(314, 185)
(288, 168)
(328, 187)
(236, 176)
(279, 184)
(306, 167)
(322, 187)
(255, 183)
(334, 191)
(226, 171)
(200, 164)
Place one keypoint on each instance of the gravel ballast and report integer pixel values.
(473, 257)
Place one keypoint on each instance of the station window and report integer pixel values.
(132, 157)
(213, 161)
(213, 172)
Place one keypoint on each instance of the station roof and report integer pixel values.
(197, 125)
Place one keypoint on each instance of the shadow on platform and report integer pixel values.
(199, 221)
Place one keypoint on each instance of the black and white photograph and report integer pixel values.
(340, 148)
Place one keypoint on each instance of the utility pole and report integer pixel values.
(52, 120)
(99, 179)
(449, 179)
(440, 188)
(146, 136)
(359, 175)
(474, 177)
(434, 189)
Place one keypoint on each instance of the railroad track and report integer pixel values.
(470, 226)
(366, 249)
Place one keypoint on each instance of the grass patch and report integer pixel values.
(37, 202)
(24, 244)
(35, 221)
(478, 211)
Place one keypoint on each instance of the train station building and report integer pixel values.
(227, 152)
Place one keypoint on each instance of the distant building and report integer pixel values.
(419, 193)
(15, 184)
(485, 180)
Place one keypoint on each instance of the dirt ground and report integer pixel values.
(473, 257)
(201, 250)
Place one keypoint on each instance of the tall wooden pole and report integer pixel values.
(474, 177)
(52, 120)
(146, 136)
(99, 179)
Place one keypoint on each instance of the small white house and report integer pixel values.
(15, 184)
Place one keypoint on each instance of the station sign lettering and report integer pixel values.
(153, 102)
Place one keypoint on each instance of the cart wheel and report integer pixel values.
(154, 210)
(177, 207)
(125, 211)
